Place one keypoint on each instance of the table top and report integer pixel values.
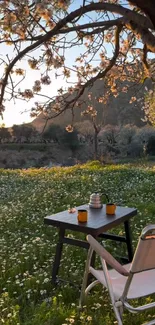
(98, 220)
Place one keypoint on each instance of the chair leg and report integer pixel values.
(118, 310)
(118, 315)
(121, 309)
(83, 288)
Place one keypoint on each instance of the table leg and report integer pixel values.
(128, 240)
(58, 255)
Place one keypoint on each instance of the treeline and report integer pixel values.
(113, 141)
(128, 141)
(26, 133)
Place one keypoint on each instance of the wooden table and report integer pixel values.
(97, 225)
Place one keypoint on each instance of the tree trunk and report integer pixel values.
(95, 145)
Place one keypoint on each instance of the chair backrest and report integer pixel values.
(144, 257)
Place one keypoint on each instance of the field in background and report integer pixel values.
(28, 247)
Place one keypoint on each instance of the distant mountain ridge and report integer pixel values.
(117, 111)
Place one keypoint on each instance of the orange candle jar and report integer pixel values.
(110, 208)
(82, 215)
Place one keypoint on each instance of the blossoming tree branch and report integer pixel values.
(112, 39)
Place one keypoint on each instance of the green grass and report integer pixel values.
(28, 246)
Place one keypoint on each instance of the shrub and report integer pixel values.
(150, 148)
(93, 163)
(135, 149)
(71, 140)
(55, 133)
(144, 134)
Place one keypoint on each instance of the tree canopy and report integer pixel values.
(80, 40)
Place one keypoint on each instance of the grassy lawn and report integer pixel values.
(28, 246)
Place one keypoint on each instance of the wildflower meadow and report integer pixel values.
(27, 246)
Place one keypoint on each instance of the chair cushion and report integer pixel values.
(142, 284)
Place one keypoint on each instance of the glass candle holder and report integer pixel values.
(110, 208)
(82, 215)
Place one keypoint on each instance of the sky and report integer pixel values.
(18, 112)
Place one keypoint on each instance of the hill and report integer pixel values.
(117, 111)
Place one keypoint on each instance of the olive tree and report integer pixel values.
(4, 134)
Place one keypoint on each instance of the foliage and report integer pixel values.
(113, 142)
(28, 246)
(150, 148)
(23, 130)
(4, 133)
(82, 41)
(150, 106)
(86, 129)
(25, 146)
(61, 136)
(144, 134)
(9, 310)
(126, 141)
(71, 139)
(110, 134)
(108, 138)
(54, 132)
(127, 134)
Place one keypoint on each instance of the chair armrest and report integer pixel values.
(109, 259)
